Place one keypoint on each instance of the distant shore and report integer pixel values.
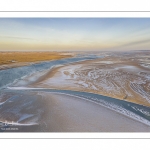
(18, 59)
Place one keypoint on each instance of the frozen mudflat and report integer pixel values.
(116, 77)
(88, 93)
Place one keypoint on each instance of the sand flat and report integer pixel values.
(54, 112)
(74, 114)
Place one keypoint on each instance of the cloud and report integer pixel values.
(18, 38)
(137, 42)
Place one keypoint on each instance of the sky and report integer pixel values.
(74, 34)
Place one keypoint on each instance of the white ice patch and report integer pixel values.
(24, 88)
(129, 68)
(139, 90)
(141, 110)
(83, 84)
(107, 62)
(145, 65)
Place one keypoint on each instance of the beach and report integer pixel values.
(70, 114)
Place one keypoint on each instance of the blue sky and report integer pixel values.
(74, 34)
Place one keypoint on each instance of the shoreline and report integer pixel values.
(65, 113)
(87, 116)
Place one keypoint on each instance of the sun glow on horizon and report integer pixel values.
(69, 34)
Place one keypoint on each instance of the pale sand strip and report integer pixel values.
(72, 114)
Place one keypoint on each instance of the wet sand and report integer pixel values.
(70, 114)
(53, 112)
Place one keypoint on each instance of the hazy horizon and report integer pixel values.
(74, 34)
